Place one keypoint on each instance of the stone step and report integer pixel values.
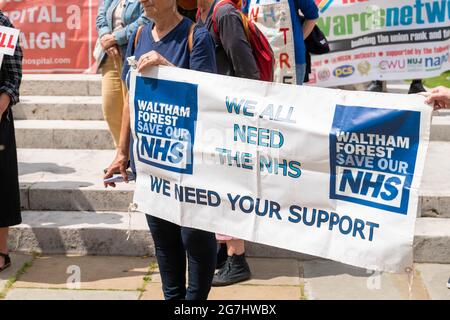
(59, 108)
(105, 233)
(69, 180)
(440, 129)
(90, 108)
(63, 134)
(77, 108)
(443, 112)
(61, 85)
(73, 134)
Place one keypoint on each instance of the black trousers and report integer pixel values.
(172, 242)
(9, 177)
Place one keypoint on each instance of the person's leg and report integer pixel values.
(416, 87)
(201, 249)
(3, 244)
(222, 254)
(235, 246)
(236, 268)
(171, 257)
(300, 73)
(112, 96)
(376, 86)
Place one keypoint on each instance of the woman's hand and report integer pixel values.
(107, 41)
(439, 98)
(119, 164)
(113, 52)
(152, 59)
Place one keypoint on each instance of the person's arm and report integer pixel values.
(308, 27)
(311, 13)
(123, 35)
(120, 162)
(439, 98)
(101, 23)
(203, 56)
(11, 74)
(235, 43)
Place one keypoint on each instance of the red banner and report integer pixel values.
(57, 36)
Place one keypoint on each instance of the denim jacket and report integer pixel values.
(132, 17)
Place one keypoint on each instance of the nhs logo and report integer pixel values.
(165, 115)
(373, 156)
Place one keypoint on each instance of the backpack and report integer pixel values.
(261, 49)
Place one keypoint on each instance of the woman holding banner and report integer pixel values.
(172, 40)
(116, 21)
(10, 78)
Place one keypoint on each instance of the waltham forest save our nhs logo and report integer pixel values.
(373, 156)
(165, 119)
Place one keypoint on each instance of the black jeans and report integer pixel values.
(172, 242)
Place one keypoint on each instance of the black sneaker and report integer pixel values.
(222, 256)
(375, 86)
(416, 87)
(448, 283)
(235, 270)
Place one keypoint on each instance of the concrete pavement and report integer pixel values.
(74, 277)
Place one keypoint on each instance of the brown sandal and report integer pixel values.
(7, 262)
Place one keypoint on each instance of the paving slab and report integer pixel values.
(329, 280)
(274, 272)
(86, 272)
(236, 292)
(435, 277)
(242, 292)
(55, 294)
(153, 291)
(18, 260)
(59, 108)
(265, 271)
(63, 134)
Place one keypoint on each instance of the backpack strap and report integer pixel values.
(191, 37)
(244, 19)
(136, 38)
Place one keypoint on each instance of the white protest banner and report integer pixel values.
(8, 40)
(324, 172)
(382, 40)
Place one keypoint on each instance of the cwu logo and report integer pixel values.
(373, 156)
(165, 116)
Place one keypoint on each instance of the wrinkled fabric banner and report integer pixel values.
(56, 36)
(323, 172)
(382, 40)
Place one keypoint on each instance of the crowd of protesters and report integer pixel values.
(204, 35)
